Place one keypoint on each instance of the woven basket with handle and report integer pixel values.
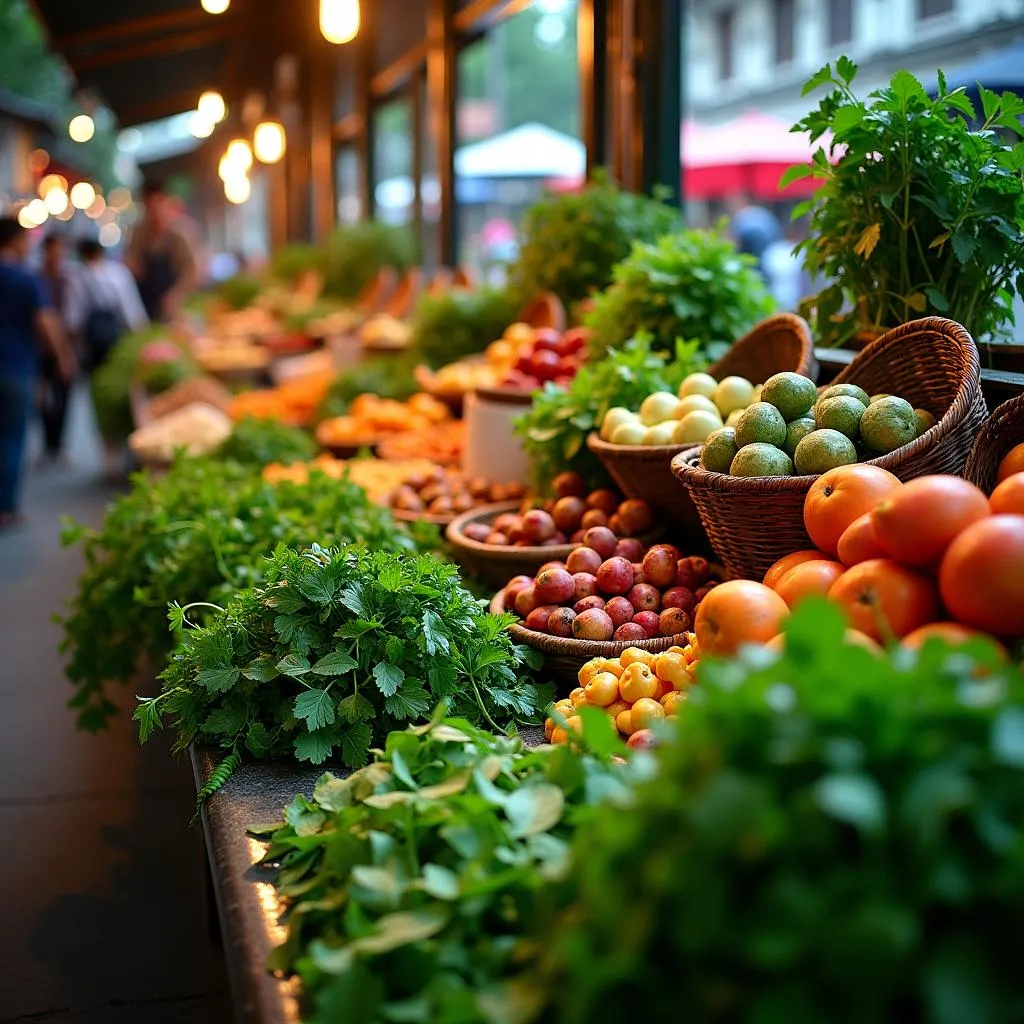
(779, 343)
(932, 363)
(1003, 430)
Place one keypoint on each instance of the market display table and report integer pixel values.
(247, 903)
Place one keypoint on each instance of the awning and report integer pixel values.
(1001, 71)
(532, 150)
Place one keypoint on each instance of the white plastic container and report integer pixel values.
(492, 450)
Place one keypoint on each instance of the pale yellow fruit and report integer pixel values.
(733, 418)
(520, 333)
(694, 427)
(733, 393)
(694, 403)
(698, 384)
(661, 433)
(613, 419)
(658, 407)
(632, 432)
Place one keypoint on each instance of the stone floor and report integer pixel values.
(101, 879)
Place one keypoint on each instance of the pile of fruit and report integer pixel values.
(443, 444)
(378, 478)
(370, 418)
(905, 561)
(449, 492)
(792, 428)
(637, 690)
(543, 354)
(294, 402)
(466, 375)
(565, 518)
(612, 589)
(702, 406)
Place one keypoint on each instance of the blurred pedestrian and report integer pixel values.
(28, 327)
(161, 257)
(54, 389)
(753, 227)
(784, 269)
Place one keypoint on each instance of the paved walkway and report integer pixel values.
(102, 904)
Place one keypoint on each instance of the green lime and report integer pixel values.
(875, 398)
(925, 420)
(761, 423)
(851, 390)
(719, 450)
(842, 413)
(822, 450)
(791, 393)
(795, 432)
(888, 424)
(760, 459)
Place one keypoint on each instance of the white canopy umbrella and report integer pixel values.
(532, 150)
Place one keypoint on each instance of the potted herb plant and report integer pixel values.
(921, 209)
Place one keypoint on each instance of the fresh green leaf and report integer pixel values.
(337, 663)
(294, 665)
(389, 678)
(218, 679)
(315, 707)
(314, 746)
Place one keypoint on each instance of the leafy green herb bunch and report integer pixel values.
(333, 650)
(832, 836)
(409, 884)
(921, 210)
(572, 241)
(554, 430)
(460, 322)
(258, 442)
(200, 533)
(688, 284)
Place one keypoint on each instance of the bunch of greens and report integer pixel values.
(197, 534)
(240, 291)
(833, 835)
(389, 376)
(112, 382)
(460, 322)
(354, 254)
(258, 442)
(572, 241)
(293, 260)
(689, 284)
(334, 650)
(409, 881)
(920, 212)
(555, 429)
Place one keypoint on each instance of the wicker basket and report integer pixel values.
(565, 656)
(932, 363)
(1003, 430)
(782, 342)
(495, 565)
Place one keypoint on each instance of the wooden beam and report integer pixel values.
(442, 67)
(592, 30)
(479, 15)
(167, 21)
(400, 72)
(321, 146)
(347, 128)
(162, 47)
(366, 44)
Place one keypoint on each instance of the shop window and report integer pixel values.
(785, 30)
(724, 34)
(840, 22)
(346, 186)
(393, 190)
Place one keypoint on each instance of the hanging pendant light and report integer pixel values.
(215, 6)
(339, 20)
(268, 142)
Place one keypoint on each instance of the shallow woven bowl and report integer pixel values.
(1003, 430)
(779, 343)
(497, 565)
(932, 363)
(565, 656)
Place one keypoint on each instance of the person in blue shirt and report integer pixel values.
(28, 327)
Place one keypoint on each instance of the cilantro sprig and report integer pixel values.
(335, 649)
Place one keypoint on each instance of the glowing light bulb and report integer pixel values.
(81, 128)
(211, 105)
(339, 20)
(25, 219)
(99, 204)
(237, 190)
(56, 201)
(239, 152)
(52, 181)
(269, 142)
(200, 126)
(215, 6)
(37, 211)
(83, 195)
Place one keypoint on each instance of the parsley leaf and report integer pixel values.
(316, 707)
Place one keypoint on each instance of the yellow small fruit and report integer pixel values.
(645, 713)
(549, 728)
(675, 650)
(635, 655)
(614, 710)
(613, 665)
(602, 690)
(563, 705)
(624, 723)
(672, 702)
(559, 736)
(674, 670)
(590, 669)
(638, 681)
(578, 696)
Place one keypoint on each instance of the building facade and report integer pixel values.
(756, 54)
